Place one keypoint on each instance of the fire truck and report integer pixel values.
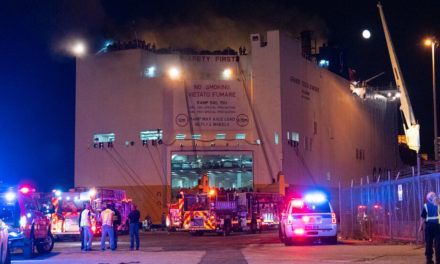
(26, 220)
(65, 218)
(68, 205)
(100, 197)
(226, 212)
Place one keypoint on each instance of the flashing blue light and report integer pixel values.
(150, 71)
(28, 215)
(108, 43)
(10, 196)
(58, 193)
(324, 63)
(316, 197)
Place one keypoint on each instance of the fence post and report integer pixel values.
(352, 209)
(340, 207)
(389, 206)
(414, 198)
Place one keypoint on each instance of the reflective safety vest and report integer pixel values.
(85, 218)
(107, 217)
(432, 215)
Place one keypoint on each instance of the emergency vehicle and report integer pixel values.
(226, 212)
(100, 197)
(174, 218)
(68, 205)
(28, 226)
(65, 219)
(308, 218)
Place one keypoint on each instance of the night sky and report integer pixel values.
(37, 75)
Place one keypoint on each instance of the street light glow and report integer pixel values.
(428, 42)
(79, 49)
(366, 34)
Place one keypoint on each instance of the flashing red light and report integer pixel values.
(212, 192)
(362, 207)
(24, 190)
(299, 231)
(297, 203)
(333, 218)
(376, 206)
(93, 229)
(283, 214)
(181, 192)
(306, 219)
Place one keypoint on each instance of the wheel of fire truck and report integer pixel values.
(29, 245)
(227, 227)
(196, 233)
(333, 240)
(45, 245)
(253, 226)
(281, 235)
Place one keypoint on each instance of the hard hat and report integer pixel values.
(430, 196)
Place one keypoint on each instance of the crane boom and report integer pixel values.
(411, 128)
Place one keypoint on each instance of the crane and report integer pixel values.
(410, 125)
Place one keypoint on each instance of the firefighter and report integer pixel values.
(134, 226)
(107, 227)
(116, 223)
(85, 224)
(430, 222)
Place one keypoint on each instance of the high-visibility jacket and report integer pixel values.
(85, 218)
(432, 215)
(107, 217)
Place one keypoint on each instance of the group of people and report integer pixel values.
(110, 220)
(430, 223)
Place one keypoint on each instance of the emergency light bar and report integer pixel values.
(10, 196)
(24, 190)
(297, 203)
(315, 198)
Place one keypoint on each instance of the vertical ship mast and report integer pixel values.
(410, 126)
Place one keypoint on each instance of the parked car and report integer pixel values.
(5, 254)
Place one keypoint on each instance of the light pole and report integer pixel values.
(434, 43)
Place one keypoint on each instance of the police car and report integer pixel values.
(308, 218)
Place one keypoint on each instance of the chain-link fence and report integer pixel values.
(387, 209)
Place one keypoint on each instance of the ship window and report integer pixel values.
(288, 135)
(240, 136)
(197, 136)
(276, 138)
(295, 136)
(104, 138)
(220, 136)
(151, 134)
(180, 136)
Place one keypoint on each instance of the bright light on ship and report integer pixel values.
(227, 73)
(150, 71)
(174, 73)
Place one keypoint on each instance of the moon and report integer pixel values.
(366, 34)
